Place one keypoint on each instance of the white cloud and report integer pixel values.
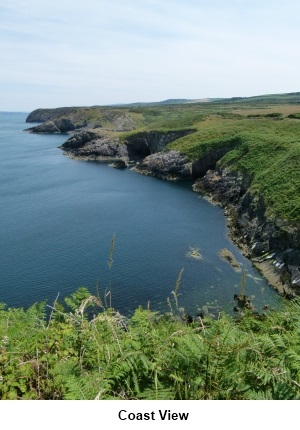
(101, 51)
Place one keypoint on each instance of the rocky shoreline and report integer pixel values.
(272, 248)
(272, 245)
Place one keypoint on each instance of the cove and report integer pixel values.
(58, 217)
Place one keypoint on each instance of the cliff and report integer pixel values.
(64, 120)
(243, 153)
(42, 115)
(144, 151)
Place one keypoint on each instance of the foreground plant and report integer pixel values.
(85, 351)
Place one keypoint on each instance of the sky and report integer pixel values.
(99, 52)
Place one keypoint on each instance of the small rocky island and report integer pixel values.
(225, 153)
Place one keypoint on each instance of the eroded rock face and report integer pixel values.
(94, 146)
(105, 147)
(80, 139)
(223, 186)
(60, 125)
(145, 143)
(48, 127)
(140, 150)
(168, 165)
(209, 160)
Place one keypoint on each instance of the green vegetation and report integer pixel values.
(267, 149)
(259, 136)
(85, 351)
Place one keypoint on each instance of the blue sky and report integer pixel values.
(88, 52)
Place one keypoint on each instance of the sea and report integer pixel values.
(130, 239)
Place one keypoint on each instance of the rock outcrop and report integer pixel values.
(58, 125)
(79, 139)
(47, 127)
(144, 151)
(145, 143)
(89, 145)
(166, 165)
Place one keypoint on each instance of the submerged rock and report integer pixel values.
(194, 253)
(228, 256)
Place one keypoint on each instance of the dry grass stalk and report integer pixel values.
(175, 292)
(90, 299)
(52, 310)
(111, 252)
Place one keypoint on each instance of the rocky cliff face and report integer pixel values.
(58, 125)
(166, 165)
(142, 144)
(80, 139)
(145, 151)
(94, 146)
(263, 239)
(209, 160)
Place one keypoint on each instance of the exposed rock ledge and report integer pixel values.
(144, 151)
(61, 125)
(94, 146)
(272, 245)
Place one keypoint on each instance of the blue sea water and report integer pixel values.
(58, 217)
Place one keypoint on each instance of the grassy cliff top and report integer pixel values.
(262, 138)
(261, 134)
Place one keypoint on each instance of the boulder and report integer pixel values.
(119, 164)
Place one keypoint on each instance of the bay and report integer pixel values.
(58, 217)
